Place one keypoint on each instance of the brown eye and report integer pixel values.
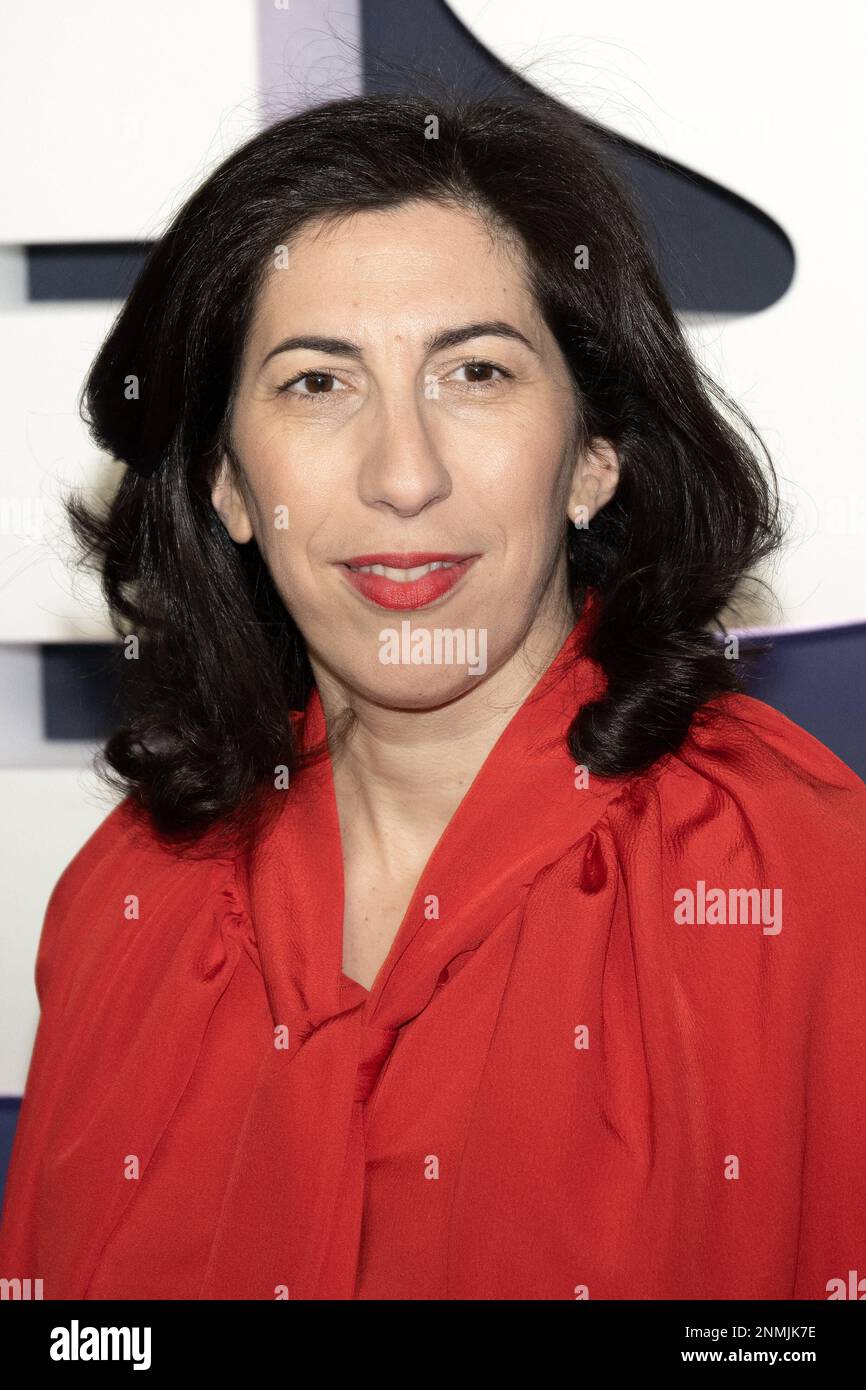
(481, 374)
(323, 381)
(323, 384)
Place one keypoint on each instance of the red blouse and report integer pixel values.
(616, 1049)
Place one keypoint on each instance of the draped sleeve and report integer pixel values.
(729, 886)
(137, 947)
(702, 1129)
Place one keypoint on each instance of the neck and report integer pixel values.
(401, 774)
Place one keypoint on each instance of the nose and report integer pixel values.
(402, 469)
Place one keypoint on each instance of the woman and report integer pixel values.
(464, 932)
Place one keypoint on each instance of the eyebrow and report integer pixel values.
(449, 337)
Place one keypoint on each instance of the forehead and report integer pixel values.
(393, 267)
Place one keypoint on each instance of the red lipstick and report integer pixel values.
(387, 592)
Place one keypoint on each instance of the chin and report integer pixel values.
(415, 688)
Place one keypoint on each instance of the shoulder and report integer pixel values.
(125, 843)
(750, 797)
(753, 752)
(743, 748)
(121, 871)
(759, 738)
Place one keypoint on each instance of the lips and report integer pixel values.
(393, 583)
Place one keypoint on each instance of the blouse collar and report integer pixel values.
(526, 805)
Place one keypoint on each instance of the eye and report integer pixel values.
(478, 380)
(321, 382)
(324, 384)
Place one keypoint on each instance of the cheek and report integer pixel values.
(292, 530)
(286, 511)
(524, 462)
(528, 496)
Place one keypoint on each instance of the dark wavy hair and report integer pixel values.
(221, 661)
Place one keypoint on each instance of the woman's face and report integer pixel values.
(430, 413)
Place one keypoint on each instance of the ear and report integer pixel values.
(594, 481)
(229, 503)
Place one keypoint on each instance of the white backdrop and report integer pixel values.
(766, 100)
